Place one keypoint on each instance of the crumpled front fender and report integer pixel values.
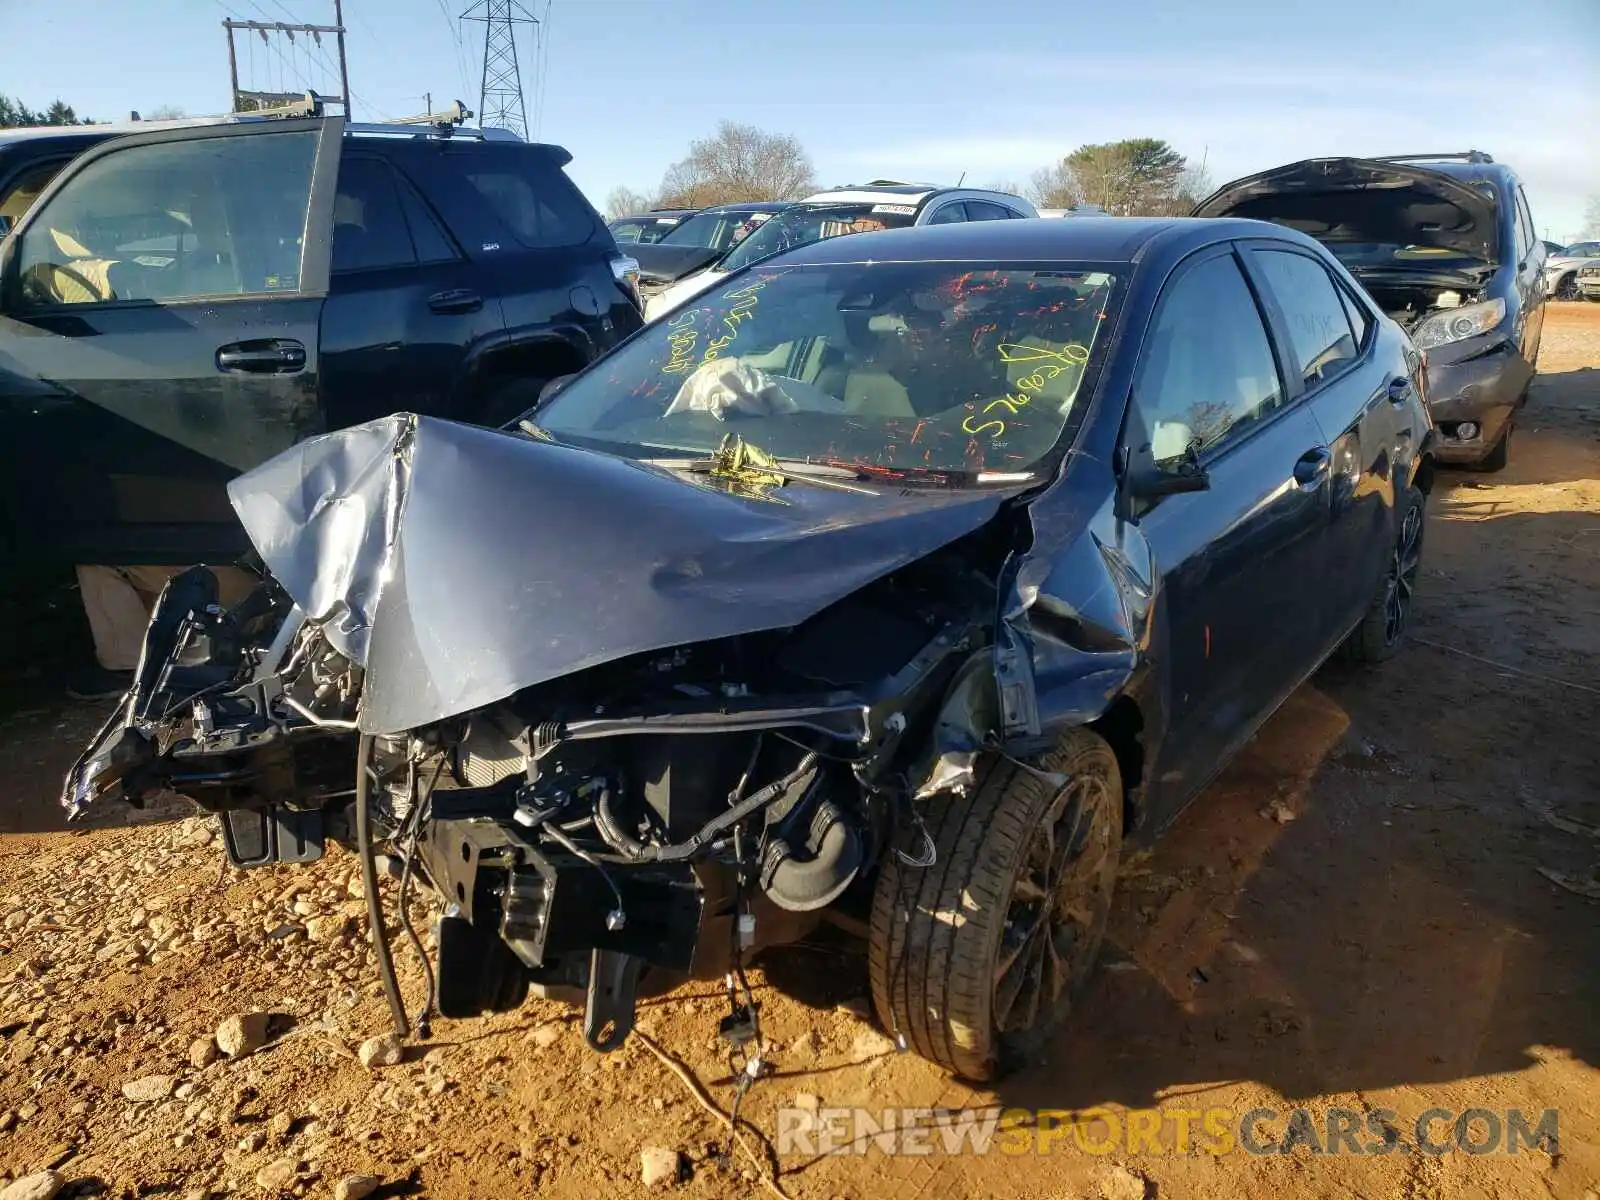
(1076, 611)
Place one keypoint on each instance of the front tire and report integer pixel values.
(1497, 458)
(1382, 630)
(1567, 287)
(978, 959)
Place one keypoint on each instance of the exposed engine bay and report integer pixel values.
(603, 834)
(1410, 304)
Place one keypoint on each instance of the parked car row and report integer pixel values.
(886, 571)
(1565, 264)
(670, 280)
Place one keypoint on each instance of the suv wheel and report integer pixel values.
(1567, 287)
(1381, 631)
(978, 958)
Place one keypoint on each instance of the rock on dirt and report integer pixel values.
(871, 1043)
(384, 1050)
(356, 1187)
(41, 1185)
(279, 1175)
(545, 1036)
(332, 928)
(660, 1167)
(203, 1052)
(1280, 812)
(243, 1033)
(149, 1089)
(1119, 1183)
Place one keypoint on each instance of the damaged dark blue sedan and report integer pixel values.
(903, 579)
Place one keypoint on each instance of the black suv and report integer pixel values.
(178, 306)
(1445, 244)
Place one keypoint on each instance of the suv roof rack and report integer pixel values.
(456, 114)
(446, 123)
(308, 105)
(1471, 156)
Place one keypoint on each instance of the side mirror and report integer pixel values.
(1148, 481)
(6, 224)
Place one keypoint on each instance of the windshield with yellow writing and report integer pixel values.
(909, 367)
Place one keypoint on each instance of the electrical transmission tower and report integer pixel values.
(500, 101)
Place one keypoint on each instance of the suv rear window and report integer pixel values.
(532, 196)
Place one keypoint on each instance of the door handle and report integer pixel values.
(1312, 467)
(1399, 390)
(269, 356)
(456, 300)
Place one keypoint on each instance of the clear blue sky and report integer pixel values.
(922, 89)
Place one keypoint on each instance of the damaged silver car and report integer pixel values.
(897, 580)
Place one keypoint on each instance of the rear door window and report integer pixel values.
(216, 216)
(369, 229)
(1525, 218)
(983, 210)
(1319, 327)
(1360, 322)
(531, 196)
(428, 234)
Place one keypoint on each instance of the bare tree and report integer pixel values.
(167, 112)
(1054, 187)
(1010, 186)
(1591, 221)
(624, 201)
(739, 162)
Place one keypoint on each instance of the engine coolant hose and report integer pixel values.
(369, 885)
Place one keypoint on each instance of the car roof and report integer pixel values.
(750, 206)
(656, 214)
(1085, 239)
(1469, 171)
(899, 193)
(99, 132)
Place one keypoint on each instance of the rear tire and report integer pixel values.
(977, 959)
(1381, 632)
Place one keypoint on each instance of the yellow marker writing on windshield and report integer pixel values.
(1072, 354)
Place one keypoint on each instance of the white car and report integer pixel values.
(1561, 270)
(878, 205)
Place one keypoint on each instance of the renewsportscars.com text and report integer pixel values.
(1165, 1130)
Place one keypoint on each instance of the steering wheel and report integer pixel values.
(36, 281)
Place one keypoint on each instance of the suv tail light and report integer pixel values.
(625, 270)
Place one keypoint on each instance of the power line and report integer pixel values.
(460, 50)
(542, 66)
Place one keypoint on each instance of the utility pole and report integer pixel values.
(500, 100)
(246, 99)
(344, 66)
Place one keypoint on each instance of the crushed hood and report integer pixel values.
(458, 565)
(1365, 200)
